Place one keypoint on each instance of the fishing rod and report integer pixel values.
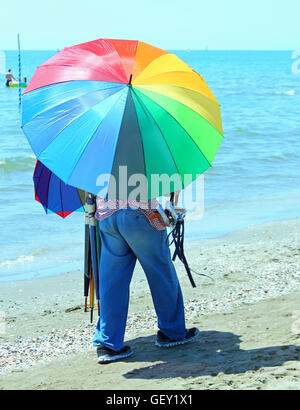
(20, 77)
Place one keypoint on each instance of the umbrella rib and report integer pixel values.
(121, 61)
(61, 201)
(149, 113)
(38, 182)
(79, 47)
(92, 136)
(150, 62)
(189, 69)
(74, 119)
(166, 96)
(111, 73)
(167, 112)
(184, 128)
(67, 100)
(212, 100)
(43, 170)
(48, 187)
(142, 142)
(129, 96)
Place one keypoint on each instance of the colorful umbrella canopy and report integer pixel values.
(101, 105)
(54, 194)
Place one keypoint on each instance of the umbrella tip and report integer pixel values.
(130, 78)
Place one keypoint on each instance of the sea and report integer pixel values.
(255, 177)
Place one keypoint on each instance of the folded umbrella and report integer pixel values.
(97, 106)
(91, 208)
(87, 259)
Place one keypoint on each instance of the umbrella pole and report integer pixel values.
(20, 79)
(87, 257)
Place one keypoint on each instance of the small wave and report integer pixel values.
(290, 92)
(230, 205)
(275, 158)
(260, 92)
(240, 130)
(10, 165)
(291, 155)
(40, 251)
(16, 187)
(273, 92)
(246, 132)
(22, 259)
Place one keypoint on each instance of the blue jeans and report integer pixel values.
(127, 236)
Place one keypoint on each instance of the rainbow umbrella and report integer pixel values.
(102, 105)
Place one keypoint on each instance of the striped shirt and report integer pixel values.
(107, 207)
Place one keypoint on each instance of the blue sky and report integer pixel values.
(169, 24)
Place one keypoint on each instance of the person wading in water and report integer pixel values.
(9, 77)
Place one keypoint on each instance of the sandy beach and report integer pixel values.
(248, 316)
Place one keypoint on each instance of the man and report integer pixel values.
(9, 77)
(130, 231)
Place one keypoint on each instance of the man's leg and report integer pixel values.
(153, 253)
(117, 263)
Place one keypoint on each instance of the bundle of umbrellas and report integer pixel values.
(105, 104)
(63, 199)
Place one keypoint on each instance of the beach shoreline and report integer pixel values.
(256, 279)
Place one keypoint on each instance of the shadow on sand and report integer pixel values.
(212, 353)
